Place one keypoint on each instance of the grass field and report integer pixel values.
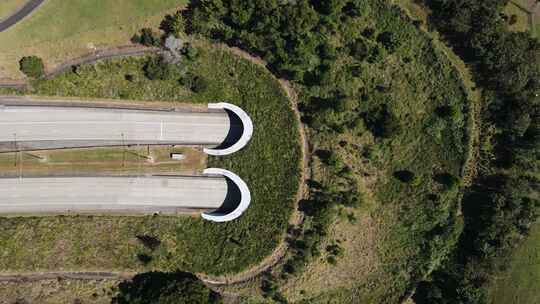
(8, 7)
(132, 160)
(521, 282)
(60, 30)
(522, 18)
(269, 165)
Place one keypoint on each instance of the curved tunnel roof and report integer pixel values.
(247, 129)
(244, 198)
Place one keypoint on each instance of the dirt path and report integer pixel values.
(38, 276)
(115, 52)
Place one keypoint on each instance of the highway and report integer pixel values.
(42, 127)
(128, 195)
(33, 124)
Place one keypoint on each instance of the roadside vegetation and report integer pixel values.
(269, 165)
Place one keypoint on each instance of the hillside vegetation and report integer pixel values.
(388, 121)
(502, 202)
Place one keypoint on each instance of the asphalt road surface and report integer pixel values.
(42, 127)
(29, 7)
(168, 194)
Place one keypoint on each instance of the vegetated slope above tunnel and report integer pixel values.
(269, 165)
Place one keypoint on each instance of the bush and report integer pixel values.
(199, 84)
(450, 181)
(32, 66)
(147, 38)
(405, 176)
(165, 288)
(190, 52)
(173, 24)
(158, 68)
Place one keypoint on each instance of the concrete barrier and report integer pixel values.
(246, 135)
(245, 197)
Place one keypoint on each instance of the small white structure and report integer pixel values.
(178, 156)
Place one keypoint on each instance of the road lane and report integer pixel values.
(45, 126)
(167, 194)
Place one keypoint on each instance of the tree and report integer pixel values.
(388, 39)
(173, 24)
(147, 38)
(32, 66)
(199, 84)
(165, 288)
(190, 51)
(359, 49)
(158, 68)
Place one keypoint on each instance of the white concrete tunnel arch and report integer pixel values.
(245, 197)
(246, 134)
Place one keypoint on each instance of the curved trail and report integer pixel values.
(24, 11)
(110, 53)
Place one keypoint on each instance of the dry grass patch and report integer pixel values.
(358, 263)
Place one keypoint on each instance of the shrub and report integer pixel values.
(359, 49)
(32, 66)
(389, 41)
(199, 84)
(405, 176)
(145, 259)
(158, 68)
(147, 38)
(173, 24)
(165, 288)
(447, 179)
(150, 242)
(331, 260)
(190, 52)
